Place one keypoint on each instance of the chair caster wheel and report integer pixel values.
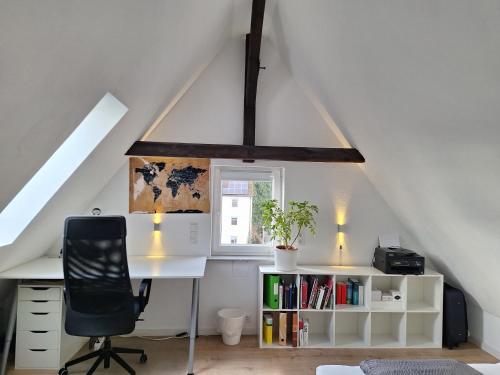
(143, 359)
(63, 371)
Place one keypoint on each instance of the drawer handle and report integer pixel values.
(42, 313)
(38, 350)
(40, 288)
(39, 301)
(39, 331)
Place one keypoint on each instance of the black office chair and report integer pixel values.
(98, 293)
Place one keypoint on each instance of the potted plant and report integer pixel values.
(281, 225)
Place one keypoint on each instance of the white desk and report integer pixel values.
(140, 267)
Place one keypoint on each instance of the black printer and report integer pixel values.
(396, 260)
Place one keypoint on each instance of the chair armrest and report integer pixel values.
(144, 292)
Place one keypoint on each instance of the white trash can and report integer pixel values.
(230, 324)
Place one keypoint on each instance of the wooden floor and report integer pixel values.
(214, 358)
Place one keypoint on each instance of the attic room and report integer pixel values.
(249, 186)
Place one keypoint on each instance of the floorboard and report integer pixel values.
(214, 358)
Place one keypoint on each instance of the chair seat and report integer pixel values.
(120, 322)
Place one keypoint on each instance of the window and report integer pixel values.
(237, 211)
(30, 200)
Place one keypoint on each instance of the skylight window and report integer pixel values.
(21, 210)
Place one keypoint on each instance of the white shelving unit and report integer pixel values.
(414, 322)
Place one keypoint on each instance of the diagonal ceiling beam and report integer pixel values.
(252, 67)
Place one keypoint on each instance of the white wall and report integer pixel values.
(484, 328)
(212, 112)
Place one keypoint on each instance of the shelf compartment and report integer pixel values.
(385, 283)
(424, 293)
(352, 329)
(320, 329)
(387, 329)
(363, 281)
(285, 280)
(322, 280)
(423, 330)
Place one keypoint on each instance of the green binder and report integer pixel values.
(271, 287)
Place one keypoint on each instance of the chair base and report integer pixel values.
(105, 355)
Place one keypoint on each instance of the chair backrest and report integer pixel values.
(96, 276)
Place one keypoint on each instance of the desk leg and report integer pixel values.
(194, 324)
(9, 333)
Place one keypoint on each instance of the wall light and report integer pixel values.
(156, 227)
(340, 235)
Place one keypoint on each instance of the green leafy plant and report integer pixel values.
(280, 224)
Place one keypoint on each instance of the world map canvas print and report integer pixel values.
(169, 185)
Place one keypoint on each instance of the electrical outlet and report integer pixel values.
(193, 233)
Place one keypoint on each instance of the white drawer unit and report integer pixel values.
(41, 342)
(40, 293)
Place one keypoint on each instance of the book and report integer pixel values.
(301, 332)
(339, 294)
(314, 292)
(319, 300)
(282, 329)
(295, 328)
(280, 295)
(293, 296)
(344, 294)
(271, 290)
(361, 293)
(286, 297)
(303, 293)
(329, 294)
(306, 332)
(349, 294)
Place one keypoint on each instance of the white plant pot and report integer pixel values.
(285, 260)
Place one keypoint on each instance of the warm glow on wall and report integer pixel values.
(156, 247)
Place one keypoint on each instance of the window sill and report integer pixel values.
(266, 258)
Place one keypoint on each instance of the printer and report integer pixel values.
(396, 260)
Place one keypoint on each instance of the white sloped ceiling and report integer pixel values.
(57, 60)
(415, 85)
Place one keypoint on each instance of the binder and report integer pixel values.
(271, 290)
(268, 329)
(295, 328)
(282, 329)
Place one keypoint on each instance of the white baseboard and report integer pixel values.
(162, 332)
(495, 352)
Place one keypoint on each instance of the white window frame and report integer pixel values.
(253, 173)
